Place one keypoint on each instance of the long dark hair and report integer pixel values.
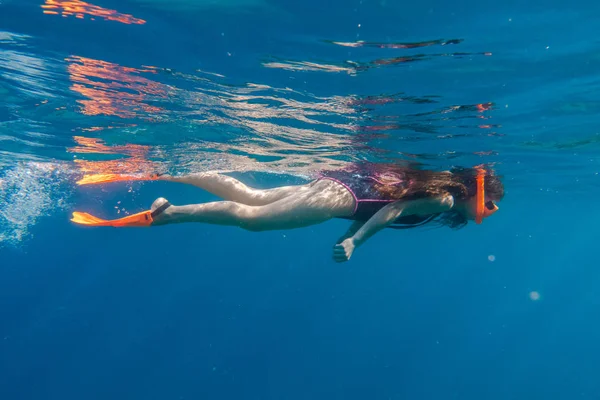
(458, 182)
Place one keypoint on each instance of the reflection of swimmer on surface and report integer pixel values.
(374, 196)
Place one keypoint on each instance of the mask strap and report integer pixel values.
(480, 197)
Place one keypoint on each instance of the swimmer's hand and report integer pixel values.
(343, 251)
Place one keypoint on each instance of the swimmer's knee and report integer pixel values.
(256, 218)
(247, 217)
(252, 225)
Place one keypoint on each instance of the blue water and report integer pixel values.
(273, 90)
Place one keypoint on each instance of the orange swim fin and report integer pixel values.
(139, 219)
(106, 178)
(144, 218)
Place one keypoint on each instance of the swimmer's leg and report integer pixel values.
(310, 205)
(229, 188)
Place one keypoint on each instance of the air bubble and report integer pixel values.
(534, 295)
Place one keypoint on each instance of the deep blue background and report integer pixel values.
(204, 312)
(194, 311)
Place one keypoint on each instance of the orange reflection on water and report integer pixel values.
(128, 166)
(112, 89)
(79, 8)
(135, 164)
(101, 128)
(97, 146)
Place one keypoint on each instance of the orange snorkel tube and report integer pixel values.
(481, 210)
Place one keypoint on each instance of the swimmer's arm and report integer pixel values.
(356, 225)
(393, 211)
(386, 216)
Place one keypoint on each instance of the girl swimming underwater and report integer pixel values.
(374, 196)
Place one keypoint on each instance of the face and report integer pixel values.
(468, 208)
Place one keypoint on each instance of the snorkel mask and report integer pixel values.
(483, 209)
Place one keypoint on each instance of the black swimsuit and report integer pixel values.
(360, 182)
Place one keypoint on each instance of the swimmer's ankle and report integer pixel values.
(161, 207)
